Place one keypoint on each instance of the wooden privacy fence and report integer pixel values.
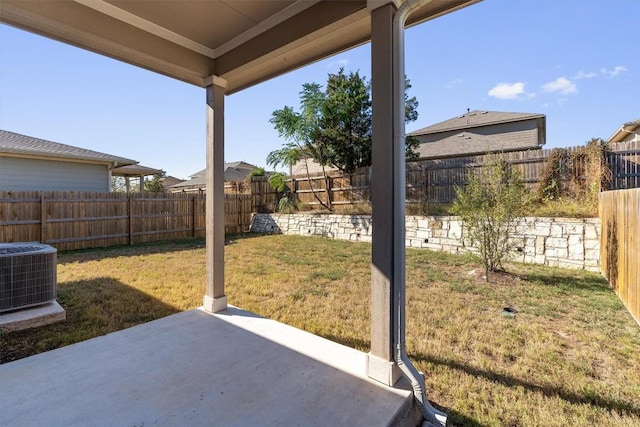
(263, 197)
(71, 221)
(434, 181)
(620, 245)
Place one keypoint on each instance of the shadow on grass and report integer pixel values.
(149, 248)
(455, 418)
(569, 282)
(96, 254)
(622, 408)
(93, 308)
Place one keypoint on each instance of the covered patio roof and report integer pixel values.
(135, 171)
(225, 46)
(243, 42)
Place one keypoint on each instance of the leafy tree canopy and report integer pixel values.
(154, 185)
(333, 126)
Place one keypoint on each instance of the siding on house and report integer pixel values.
(480, 140)
(23, 174)
(300, 168)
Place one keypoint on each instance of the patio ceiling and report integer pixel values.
(244, 42)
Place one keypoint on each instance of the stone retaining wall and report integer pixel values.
(558, 242)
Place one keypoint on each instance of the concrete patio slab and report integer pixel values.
(193, 368)
(32, 317)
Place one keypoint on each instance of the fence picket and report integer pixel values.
(620, 245)
(435, 180)
(72, 221)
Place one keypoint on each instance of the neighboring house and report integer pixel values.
(169, 181)
(473, 133)
(309, 165)
(627, 132)
(481, 132)
(233, 172)
(33, 164)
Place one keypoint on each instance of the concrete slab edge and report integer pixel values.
(32, 317)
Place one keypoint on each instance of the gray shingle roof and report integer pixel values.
(475, 119)
(15, 143)
(234, 171)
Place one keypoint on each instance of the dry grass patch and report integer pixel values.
(570, 356)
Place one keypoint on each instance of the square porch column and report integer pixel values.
(215, 299)
(387, 198)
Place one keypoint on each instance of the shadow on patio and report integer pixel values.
(195, 368)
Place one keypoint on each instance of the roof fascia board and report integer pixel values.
(623, 131)
(313, 21)
(243, 75)
(264, 26)
(57, 159)
(375, 4)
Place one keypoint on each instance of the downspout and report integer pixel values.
(432, 416)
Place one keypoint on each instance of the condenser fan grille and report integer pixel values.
(27, 275)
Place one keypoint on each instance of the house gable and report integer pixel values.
(480, 132)
(34, 164)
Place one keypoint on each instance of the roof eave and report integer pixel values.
(419, 132)
(73, 159)
(623, 131)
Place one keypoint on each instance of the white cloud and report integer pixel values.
(453, 82)
(507, 90)
(338, 63)
(560, 85)
(582, 75)
(614, 72)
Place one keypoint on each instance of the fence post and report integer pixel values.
(328, 186)
(130, 197)
(193, 215)
(43, 219)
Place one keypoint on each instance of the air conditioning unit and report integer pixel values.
(27, 275)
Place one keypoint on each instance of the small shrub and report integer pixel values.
(553, 181)
(488, 206)
(577, 177)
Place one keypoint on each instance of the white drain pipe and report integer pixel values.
(432, 416)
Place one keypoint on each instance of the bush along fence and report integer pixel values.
(572, 170)
(70, 221)
(558, 242)
(620, 215)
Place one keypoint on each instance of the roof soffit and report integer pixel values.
(243, 42)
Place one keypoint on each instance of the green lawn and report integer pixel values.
(569, 357)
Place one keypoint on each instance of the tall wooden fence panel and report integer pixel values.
(624, 162)
(70, 221)
(435, 180)
(620, 246)
(263, 197)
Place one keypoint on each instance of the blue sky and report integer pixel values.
(577, 61)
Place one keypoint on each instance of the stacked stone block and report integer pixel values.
(558, 242)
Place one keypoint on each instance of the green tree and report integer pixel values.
(343, 136)
(488, 206)
(154, 185)
(298, 129)
(333, 127)
(256, 172)
(410, 115)
(118, 184)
